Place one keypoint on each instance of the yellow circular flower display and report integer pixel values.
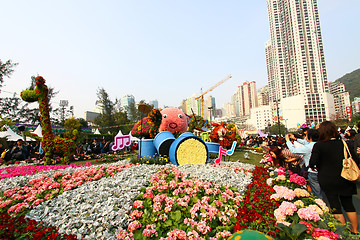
(191, 151)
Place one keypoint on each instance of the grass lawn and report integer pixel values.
(238, 156)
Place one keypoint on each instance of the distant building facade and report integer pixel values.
(209, 108)
(245, 98)
(341, 100)
(126, 101)
(191, 106)
(228, 110)
(155, 103)
(295, 58)
(261, 117)
(263, 96)
(356, 105)
(90, 116)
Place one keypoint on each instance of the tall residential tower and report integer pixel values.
(295, 61)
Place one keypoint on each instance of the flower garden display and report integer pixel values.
(164, 202)
(51, 144)
(169, 119)
(173, 120)
(224, 134)
(188, 149)
(196, 123)
(148, 127)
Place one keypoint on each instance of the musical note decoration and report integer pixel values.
(120, 142)
(225, 152)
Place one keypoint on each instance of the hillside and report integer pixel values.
(352, 83)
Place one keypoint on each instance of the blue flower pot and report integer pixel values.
(163, 141)
(213, 147)
(147, 149)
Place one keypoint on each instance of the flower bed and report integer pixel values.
(300, 215)
(257, 210)
(21, 228)
(185, 202)
(13, 171)
(176, 207)
(20, 200)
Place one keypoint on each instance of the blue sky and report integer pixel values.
(164, 50)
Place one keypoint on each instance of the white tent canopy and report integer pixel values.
(119, 133)
(10, 135)
(133, 138)
(38, 131)
(97, 131)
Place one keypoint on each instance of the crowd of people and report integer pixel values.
(20, 150)
(317, 154)
(23, 150)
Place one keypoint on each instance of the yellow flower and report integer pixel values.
(191, 151)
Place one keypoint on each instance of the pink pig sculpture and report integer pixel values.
(173, 120)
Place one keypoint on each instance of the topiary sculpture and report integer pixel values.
(51, 144)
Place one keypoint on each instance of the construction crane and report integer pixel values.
(201, 96)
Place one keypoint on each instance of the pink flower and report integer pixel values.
(177, 234)
(150, 231)
(138, 204)
(308, 214)
(319, 233)
(298, 179)
(133, 226)
(136, 214)
(203, 227)
(283, 193)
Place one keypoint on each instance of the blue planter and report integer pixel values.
(163, 141)
(147, 149)
(213, 147)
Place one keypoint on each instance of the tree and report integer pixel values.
(83, 122)
(5, 122)
(72, 127)
(106, 117)
(133, 113)
(274, 129)
(6, 69)
(14, 108)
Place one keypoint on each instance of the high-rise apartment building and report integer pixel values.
(209, 108)
(295, 59)
(263, 96)
(155, 103)
(228, 110)
(356, 105)
(341, 100)
(245, 98)
(126, 101)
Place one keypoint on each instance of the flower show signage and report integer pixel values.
(120, 142)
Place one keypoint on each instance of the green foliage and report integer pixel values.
(6, 69)
(158, 160)
(72, 126)
(274, 129)
(29, 96)
(106, 117)
(5, 122)
(352, 83)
